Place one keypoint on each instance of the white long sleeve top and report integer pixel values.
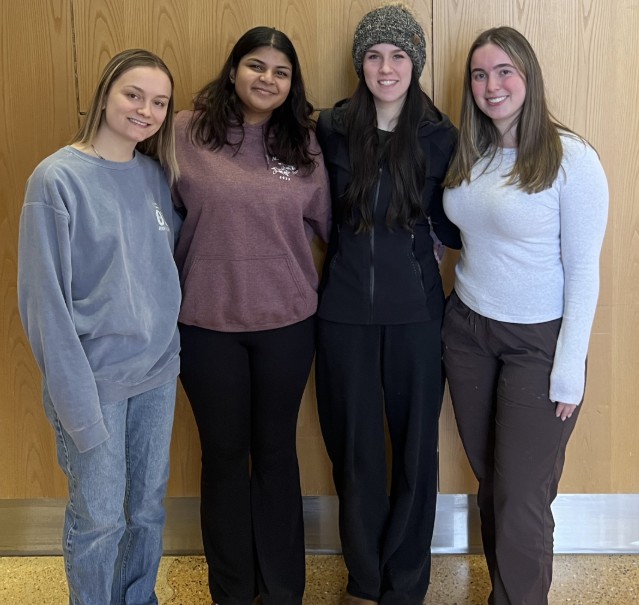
(532, 258)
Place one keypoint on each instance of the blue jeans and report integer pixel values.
(112, 539)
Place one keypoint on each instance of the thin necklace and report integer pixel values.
(96, 152)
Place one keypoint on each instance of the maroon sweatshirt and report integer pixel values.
(244, 253)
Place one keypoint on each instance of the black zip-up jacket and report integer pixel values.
(386, 276)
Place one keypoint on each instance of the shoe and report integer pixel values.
(349, 599)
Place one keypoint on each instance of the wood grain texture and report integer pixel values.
(618, 146)
(37, 115)
(54, 50)
(106, 27)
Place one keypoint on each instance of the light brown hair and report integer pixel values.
(540, 151)
(161, 145)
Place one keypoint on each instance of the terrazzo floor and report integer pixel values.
(456, 580)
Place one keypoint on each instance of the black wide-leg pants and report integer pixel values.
(245, 390)
(366, 373)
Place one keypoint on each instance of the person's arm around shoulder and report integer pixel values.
(444, 229)
(323, 127)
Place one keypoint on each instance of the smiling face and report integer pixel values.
(262, 82)
(387, 72)
(135, 107)
(499, 89)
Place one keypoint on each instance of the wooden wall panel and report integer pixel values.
(619, 148)
(587, 50)
(37, 113)
(105, 27)
(52, 53)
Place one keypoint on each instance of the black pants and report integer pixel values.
(245, 390)
(499, 377)
(364, 373)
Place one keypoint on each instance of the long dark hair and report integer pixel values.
(217, 106)
(403, 155)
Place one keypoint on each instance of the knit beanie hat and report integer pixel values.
(391, 24)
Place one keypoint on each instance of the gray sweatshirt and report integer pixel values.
(534, 258)
(98, 289)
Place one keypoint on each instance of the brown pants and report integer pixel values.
(498, 374)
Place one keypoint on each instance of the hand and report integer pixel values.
(564, 410)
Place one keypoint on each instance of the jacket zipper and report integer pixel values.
(372, 246)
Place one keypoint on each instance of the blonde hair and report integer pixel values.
(161, 145)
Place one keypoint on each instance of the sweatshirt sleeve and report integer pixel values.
(583, 215)
(318, 214)
(45, 304)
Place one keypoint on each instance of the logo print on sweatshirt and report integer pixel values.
(160, 218)
(284, 170)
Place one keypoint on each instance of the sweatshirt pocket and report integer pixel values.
(242, 293)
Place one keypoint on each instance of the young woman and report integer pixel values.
(254, 192)
(99, 297)
(381, 304)
(530, 198)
